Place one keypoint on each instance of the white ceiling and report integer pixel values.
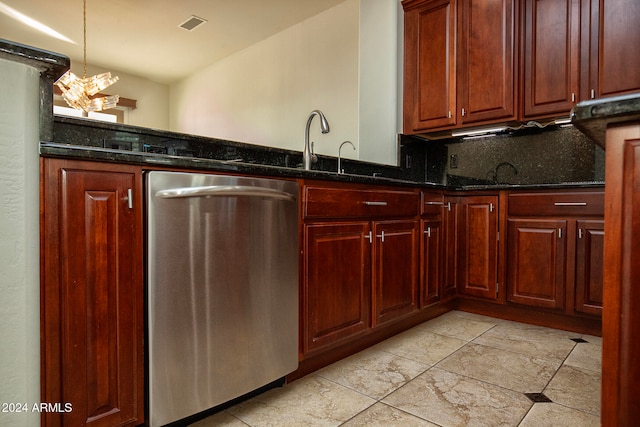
(142, 37)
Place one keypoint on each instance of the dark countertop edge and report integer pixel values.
(42, 60)
(151, 161)
(593, 116)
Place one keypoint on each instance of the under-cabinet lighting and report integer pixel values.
(478, 132)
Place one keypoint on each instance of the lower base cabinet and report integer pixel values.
(360, 257)
(589, 266)
(536, 262)
(396, 271)
(337, 283)
(92, 293)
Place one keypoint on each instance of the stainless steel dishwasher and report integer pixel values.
(222, 289)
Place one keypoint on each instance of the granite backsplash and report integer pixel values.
(554, 155)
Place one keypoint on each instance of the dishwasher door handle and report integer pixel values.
(225, 191)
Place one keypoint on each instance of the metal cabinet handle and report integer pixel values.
(381, 236)
(570, 204)
(579, 233)
(225, 191)
(129, 198)
(434, 203)
(428, 232)
(447, 206)
(559, 233)
(375, 203)
(368, 236)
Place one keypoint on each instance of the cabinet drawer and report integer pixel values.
(432, 203)
(322, 202)
(557, 204)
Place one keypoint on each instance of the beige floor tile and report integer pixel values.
(507, 369)
(221, 419)
(373, 373)
(458, 324)
(448, 399)
(586, 356)
(421, 345)
(310, 401)
(576, 388)
(529, 339)
(554, 415)
(381, 415)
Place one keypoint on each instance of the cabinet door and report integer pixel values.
(450, 241)
(479, 246)
(430, 67)
(96, 261)
(337, 282)
(536, 262)
(589, 266)
(551, 56)
(395, 273)
(611, 64)
(486, 60)
(431, 257)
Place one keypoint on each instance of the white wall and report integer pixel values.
(153, 98)
(264, 94)
(380, 79)
(19, 241)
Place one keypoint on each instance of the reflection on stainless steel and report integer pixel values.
(223, 289)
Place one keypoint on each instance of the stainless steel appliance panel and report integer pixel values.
(222, 289)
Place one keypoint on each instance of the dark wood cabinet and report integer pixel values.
(460, 63)
(536, 262)
(551, 53)
(486, 63)
(337, 282)
(431, 261)
(576, 50)
(92, 293)
(478, 255)
(610, 39)
(361, 261)
(589, 266)
(451, 241)
(555, 250)
(429, 65)
(432, 253)
(395, 269)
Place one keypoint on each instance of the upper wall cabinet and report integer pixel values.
(610, 59)
(575, 50)
(551, 48)
(459, 63)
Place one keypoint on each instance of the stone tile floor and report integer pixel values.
(459, 369)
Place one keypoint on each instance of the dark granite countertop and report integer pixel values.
(592, 117)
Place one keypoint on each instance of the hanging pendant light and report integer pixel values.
(79, 92)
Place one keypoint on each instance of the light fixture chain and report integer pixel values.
(84, 28)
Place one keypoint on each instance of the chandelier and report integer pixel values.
(80, 93)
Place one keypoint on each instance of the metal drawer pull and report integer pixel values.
(375, 203)
(381, 236)
(570, 203)
(434, 203)
(428, 231)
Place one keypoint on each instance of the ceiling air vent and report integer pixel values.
(192, 23)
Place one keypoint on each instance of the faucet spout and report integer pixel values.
(340, 170)
(308, 156)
